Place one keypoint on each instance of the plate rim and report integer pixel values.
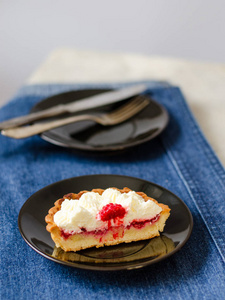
(78, 147)
(97, 267)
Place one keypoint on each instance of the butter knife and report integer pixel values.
(76, 106)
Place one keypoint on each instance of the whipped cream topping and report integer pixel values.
(76, 215)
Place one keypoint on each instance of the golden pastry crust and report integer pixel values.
(55, 230)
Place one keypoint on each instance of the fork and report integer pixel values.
(117, 116)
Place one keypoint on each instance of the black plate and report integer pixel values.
(177, 231)
(89, 136)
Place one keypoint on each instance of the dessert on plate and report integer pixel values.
(105, 217)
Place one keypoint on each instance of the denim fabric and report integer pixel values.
(180, 159)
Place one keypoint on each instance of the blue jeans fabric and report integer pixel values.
(180, 159)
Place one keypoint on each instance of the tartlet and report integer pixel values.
(112, 217)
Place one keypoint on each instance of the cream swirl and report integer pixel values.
(76, 215)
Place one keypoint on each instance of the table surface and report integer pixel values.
(203, 84)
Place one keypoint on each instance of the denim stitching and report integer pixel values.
(188, 181)
(199, 135)
(187, 185)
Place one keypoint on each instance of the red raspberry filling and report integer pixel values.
(65, 234)
(137, 224)
(112, 211)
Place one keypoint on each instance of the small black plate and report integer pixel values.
(134, 255)
(89, 136)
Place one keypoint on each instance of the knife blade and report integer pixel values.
(76, 106)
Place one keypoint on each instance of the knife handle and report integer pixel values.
(47, 113)
(27, 131)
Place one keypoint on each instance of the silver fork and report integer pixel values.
(117, 116)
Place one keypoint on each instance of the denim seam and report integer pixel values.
(181, 171)
(199, 135)
(207, 151)
(186, 184)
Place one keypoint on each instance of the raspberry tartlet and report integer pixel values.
(104, 217)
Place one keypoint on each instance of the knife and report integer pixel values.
(76, 106)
